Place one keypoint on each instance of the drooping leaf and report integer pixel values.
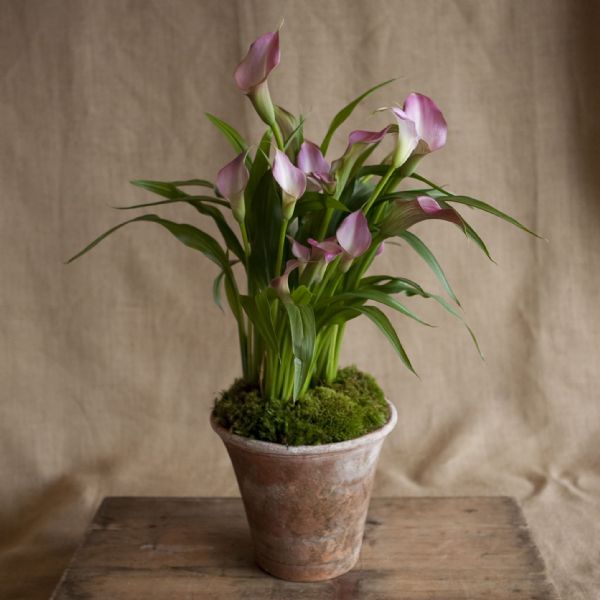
(186, 234)
(378, 296)
(474, 203)
(162, 188)
(181, 198)
(386, 327)
(427, 255)
(194, 182)
(343, 114)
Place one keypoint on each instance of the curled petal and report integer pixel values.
(366, 137)
(301, 252)
(380, 249)
(353, 234)
(326, 250)
(262, 57)
(407, 139)
(233, 177)
(280, 284)
(406, 213)
(291, 179)
(429, 121)
(311, 160)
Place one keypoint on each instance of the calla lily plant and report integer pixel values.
(305, 229)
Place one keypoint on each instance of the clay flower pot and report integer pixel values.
(306, 505)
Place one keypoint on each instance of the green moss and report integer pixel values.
(351, 406)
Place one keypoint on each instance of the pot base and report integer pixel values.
(308, 573)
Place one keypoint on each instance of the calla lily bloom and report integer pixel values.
(314, 165)
(358, 142)
(281, 284)
(407, 138)
(406, 213)
(231, 183)
(353, 234)
(252, 73)
(291, 180)
(429, 122)
(326, 250)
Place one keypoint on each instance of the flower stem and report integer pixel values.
(325, 224)
(378, 189)
(279, 260)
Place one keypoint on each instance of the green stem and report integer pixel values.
(279, 260)
(378, 189)
(325, 224)
(278, 136)
(245, 239)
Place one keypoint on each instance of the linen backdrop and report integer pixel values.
(109, 366)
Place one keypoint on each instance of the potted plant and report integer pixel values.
(304, 435)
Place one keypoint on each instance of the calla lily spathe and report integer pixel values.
(252, 73)
(312, 162)
(353, 234)
(231, 183)
(262, 57)
(429, 122)
(291, 180)
(406, 213)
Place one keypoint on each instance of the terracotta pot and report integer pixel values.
(306, 505)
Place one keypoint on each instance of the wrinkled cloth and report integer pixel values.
(109, 366)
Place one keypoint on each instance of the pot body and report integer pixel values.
(306, 505)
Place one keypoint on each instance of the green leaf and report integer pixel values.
(194, 182)
(182, 198)
(479, 204)
(217, 289)
(260, 165)
(162, 188)
(427, 255)
(473, 235)
(258, 310)
(378, 296)
(235, 139)
(186, 234)
(345, 113)
(302, 328)
(385, 326)
(231, 240)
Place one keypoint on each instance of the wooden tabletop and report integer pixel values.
(414, 549)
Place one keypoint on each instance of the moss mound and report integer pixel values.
(351, 406)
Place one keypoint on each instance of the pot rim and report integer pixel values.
(261, 447)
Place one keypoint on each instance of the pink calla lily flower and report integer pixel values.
(406, 213)
(262, 57)
(326, 250)
(252, 73)
(231, 183)
(281, 284)
(366, 137)
(407, 137)
(291, 180)
(429, 122)
(353, 234)
(312, 162)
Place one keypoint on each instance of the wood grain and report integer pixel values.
(414, 549)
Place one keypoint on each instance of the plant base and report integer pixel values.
(306, 505)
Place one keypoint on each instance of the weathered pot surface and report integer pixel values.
(306, 505)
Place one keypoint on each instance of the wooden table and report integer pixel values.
(414, 549)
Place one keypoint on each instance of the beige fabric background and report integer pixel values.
(109, 366)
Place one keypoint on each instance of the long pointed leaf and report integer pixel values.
(186, 234)
(386, 327)
(232, 135)
(303, 330)
(427, 255)
(343, 114)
